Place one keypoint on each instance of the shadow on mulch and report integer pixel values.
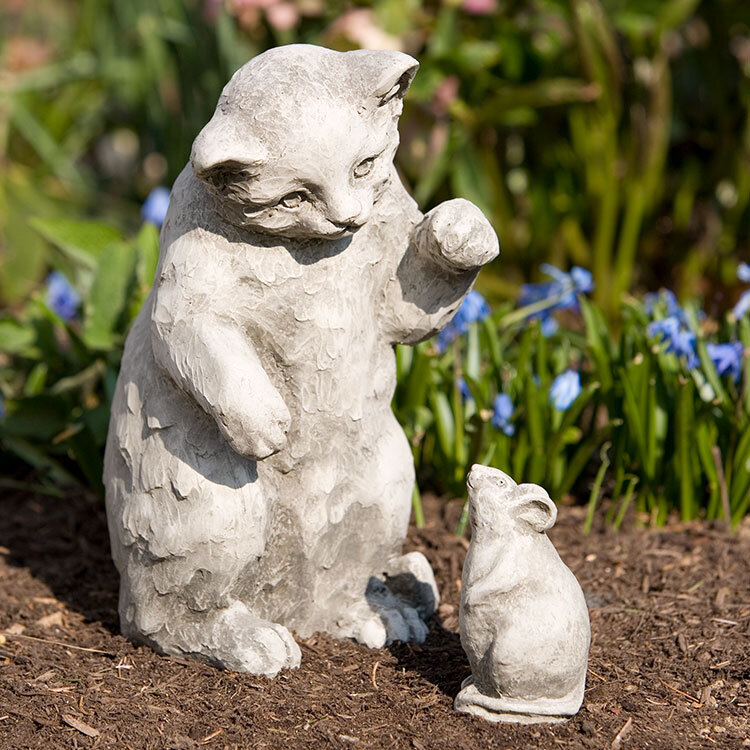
(668, 668)
(64, 542)
(440, 661)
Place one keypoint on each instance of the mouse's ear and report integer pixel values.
(536, 508)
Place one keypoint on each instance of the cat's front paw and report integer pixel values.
(261, 433)
(459, 235)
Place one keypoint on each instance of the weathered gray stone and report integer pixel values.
(257, 481)
(523, 618)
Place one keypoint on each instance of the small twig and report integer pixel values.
(723, 491)
(80, 726)
(375, 669)
(622, 733)
(677, 690)
(59, 643)
(209, 737)
(308, 724)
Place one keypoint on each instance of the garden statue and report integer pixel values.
(257, 480)
(523, 618)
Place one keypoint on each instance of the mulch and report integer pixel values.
(669, 664)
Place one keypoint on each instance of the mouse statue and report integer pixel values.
(523, 618)
(257, 481)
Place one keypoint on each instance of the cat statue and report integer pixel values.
(257, 481)
(523, 618)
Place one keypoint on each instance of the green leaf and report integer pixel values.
(548, 92)
(583, 454)
(596, 489)
(535, 410)
(446, 428)
(710, 372)
(596, 334)
(418, 380)
(35, 381)
(147, 244)
(404, 358)
(37, 458)
(15, 337)
(39, 417)
(108, 295)
(473, 360)
(82, 241)
(684, 438)
(88, 455)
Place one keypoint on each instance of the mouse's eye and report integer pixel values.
(364, 167)
(293, 200)
(501, 483)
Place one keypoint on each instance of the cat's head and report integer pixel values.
(302, 141)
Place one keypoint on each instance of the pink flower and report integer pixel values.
(359, 26)
(444, 95)
(479, 7)
(282, 16)
(238, 6)
(211, 9)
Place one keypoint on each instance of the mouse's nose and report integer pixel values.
(481, 476)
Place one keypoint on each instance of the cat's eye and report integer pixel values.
(293, 200)
(364, 167)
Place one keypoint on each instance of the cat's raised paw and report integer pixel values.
(458, 233)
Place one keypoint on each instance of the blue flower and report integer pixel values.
(562, 292)
(680, 340)
(154, 208)
(565, 389)
(549, 326)
(502, 411)
(742, 306)
(667, 298)
(743, 272)
(583, 281)
(62, 298)
(472, 309)
(465, 392)
(727, 358)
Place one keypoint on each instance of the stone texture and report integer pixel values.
(257, 481)
(523, 618)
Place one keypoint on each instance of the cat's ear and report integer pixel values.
(388, 74)
(224, 146)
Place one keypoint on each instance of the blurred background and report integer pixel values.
(613, 134)
(607, 136)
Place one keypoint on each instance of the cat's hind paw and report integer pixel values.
(410, 577)
(242, 642)
(382, 618)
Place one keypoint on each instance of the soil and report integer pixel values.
(669, 664)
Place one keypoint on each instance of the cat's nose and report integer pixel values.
(347, 213)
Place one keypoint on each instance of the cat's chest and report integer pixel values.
(303, 298)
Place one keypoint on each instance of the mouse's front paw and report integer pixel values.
(460, 235)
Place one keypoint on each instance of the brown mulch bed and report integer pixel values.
(669, 664)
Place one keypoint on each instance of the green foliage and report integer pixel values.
(645, 426)
(608, 134)
(644, 421)
(59, 376)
